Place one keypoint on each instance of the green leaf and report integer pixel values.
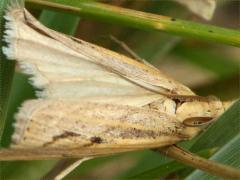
(21, 90)
(170, 167)
(142, 20)
(228, 154)
(160, 171)
(6, 73)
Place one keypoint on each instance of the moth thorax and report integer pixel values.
(165, 105)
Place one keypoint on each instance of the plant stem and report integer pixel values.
(63, 168)
(141, 20)
(172, 151)
(211, 167)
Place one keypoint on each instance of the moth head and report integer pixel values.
(199, 114)
(211, 108)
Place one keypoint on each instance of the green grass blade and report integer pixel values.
(228, 154)
(160, 171)
(21, 90)
(6, 74)
(171, 167)
(142, 20)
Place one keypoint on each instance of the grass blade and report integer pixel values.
(6, 74)
(229, 154)
(142, 20)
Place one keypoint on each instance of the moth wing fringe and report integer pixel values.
(16, 4)
(22, 119)
(10, 27)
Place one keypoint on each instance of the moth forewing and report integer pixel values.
(63, 72)
(68, 123)
(130, 69)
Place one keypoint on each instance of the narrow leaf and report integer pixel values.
(142, 20)
(228, 154)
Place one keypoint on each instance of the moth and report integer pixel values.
(93, 101)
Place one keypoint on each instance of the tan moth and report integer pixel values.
(94, 101)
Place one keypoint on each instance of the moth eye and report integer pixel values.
(197, 121)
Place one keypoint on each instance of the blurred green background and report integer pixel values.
(207, 68)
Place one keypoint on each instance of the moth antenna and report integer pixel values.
(130, 51)
(187, 98)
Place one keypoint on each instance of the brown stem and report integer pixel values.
(171, 151)
(211, 167)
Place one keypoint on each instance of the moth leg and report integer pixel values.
(63, 168)
(134, 55)
(126, 48)
(186, 98)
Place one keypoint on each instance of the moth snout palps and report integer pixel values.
(94, 101)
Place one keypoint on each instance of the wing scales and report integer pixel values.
(53, 66)
(66, 123)
(56, 58)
